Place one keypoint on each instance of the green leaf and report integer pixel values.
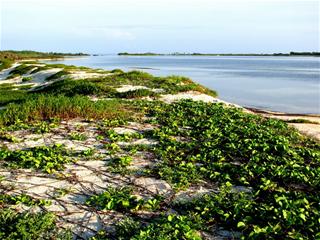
(241, 224)
(301, 215)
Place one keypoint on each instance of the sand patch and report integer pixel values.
(6, 72)
(127, 88)
(77, 75)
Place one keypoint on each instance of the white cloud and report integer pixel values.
(119, 34)
(104, 32)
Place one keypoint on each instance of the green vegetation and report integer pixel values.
(30, 226)
(170, 84)
(78, 136)
(116, 137)
(11, 96)
(48, 159)
(225, 144)
(46, 107)
(165, 227)
(22, 69)
(6, 199)
(139, 93)
(78, 87)
(19, 55)
(5, 63)
(119, 199)
(7, 58)
(43, 127)
(301, 120)
(139, 54)
(270, 212)
(118, 164)
(57, 75)
(278, 167)
(123, 200)
(26, 79)
(7, 137)
(121, 161)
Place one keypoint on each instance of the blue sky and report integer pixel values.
(111, 26)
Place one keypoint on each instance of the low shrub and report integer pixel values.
(6, 199)
(30, 226)
(26, 79)
(22, 69)
(57, 75)
(45, 107)
(5, 63)
(48, 159)
(119, 199)
(138, 93)
(78, 87)
(12, 96)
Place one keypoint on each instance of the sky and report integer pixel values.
(162, 26)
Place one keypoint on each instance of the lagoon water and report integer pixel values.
(286, 84)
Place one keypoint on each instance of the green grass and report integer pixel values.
(138, 93)
(21, 69)
(7, 86)
(170, 84)
(46, 107)
(301, 120)
(57, 75)
(39, 69)
(26, 79)
(11, 96)
(78, 87)
(5, 63)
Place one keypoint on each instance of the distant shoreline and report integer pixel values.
(291, 54)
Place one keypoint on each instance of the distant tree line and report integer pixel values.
(18, 55)
(139, 54)
(221, 54)
(305, 53)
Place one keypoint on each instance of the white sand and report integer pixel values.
(5, 73)
(127, 88)
(77, 75)
(195, 96)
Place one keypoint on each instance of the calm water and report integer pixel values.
(288, 84)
